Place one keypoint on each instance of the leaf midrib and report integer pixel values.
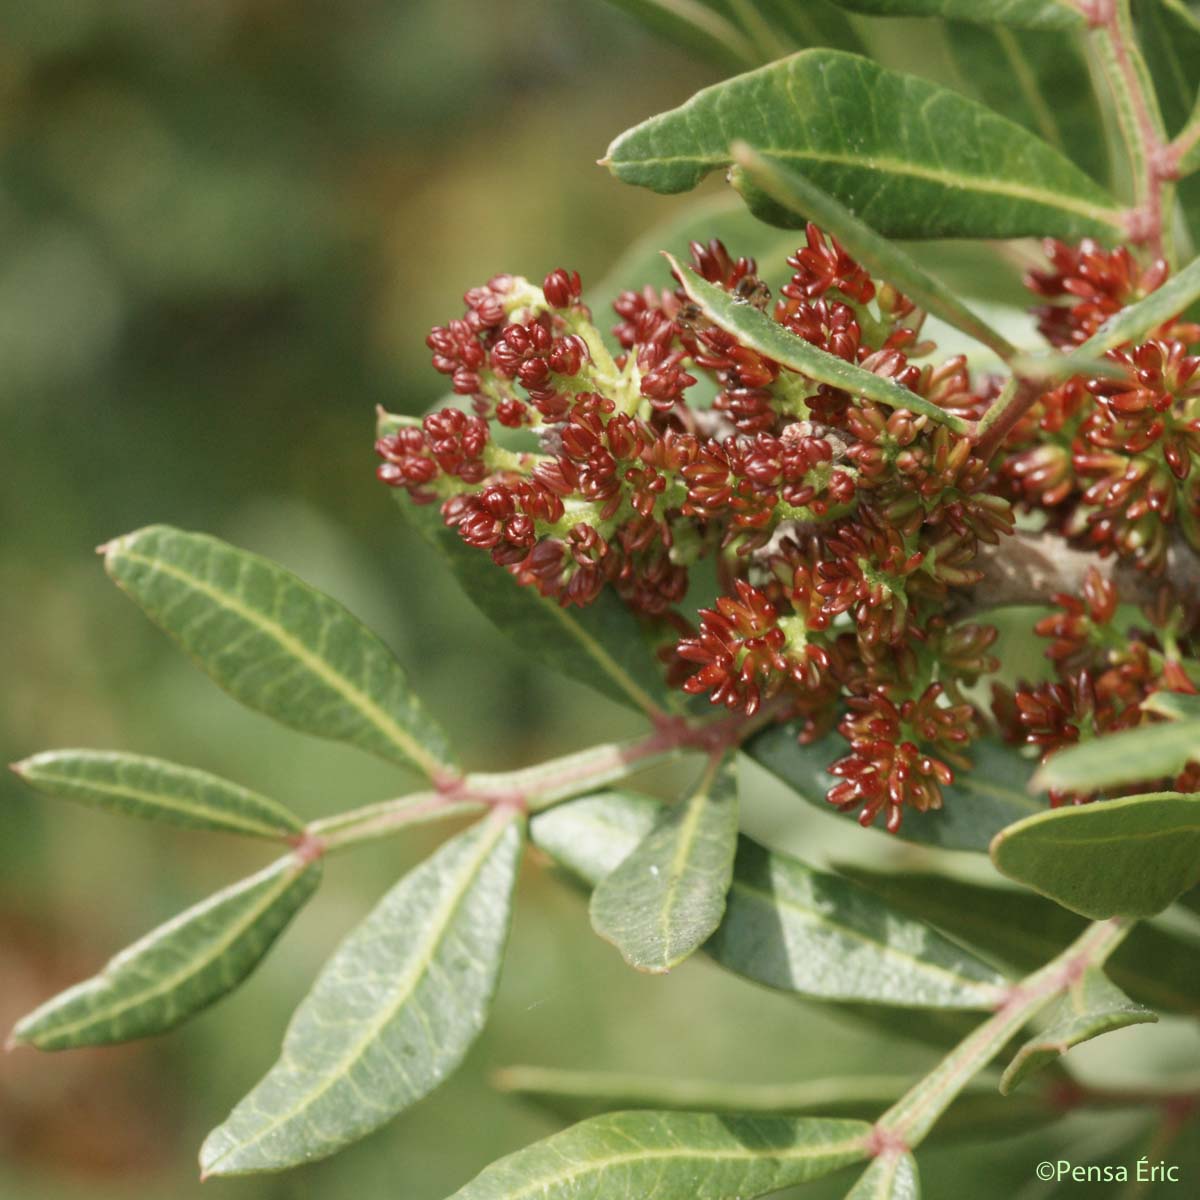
(984, 184)
(234, 822)
(679, 862)
(363, 703)
(595, 651)
(251, 916)
(426, 954)
(812, 917)
(595, 1166)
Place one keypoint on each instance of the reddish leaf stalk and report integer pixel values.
(1150, 156)
(912, 1117)
(534, 788)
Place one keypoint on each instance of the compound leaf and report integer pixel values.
(276, 644)
(178, 968)
(391, 1014)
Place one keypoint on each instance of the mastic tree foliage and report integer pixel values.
(801, 489)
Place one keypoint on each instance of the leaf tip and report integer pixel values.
(113, 546)
(209, 1159)
(20, 768)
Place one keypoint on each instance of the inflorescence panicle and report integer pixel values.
(844, 534)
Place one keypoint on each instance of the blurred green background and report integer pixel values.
(227, 226)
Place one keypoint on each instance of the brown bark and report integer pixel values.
(1030, 567)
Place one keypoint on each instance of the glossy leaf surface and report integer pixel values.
(908, 157)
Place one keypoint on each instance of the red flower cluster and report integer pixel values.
(840, 528)
(1104, 675)
(1113, 462)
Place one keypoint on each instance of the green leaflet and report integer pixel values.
(156, 790)
(1130, 324)
(668, 896)
(759, 332)
(1169, 35)
(745, 33)
(580, 1093)
(910, 158)
(276, 644)
(1178, 706)
(813, 23)
(1038, 79)
(980, 802)
(889, 1177)
(1130, 857)
(576, 1094)
(1091, 1006)
(1130, 756)
(672, 1156)
(880, 256)
(786, 925)
(178, 968)
(967, 268)
(699, 25)
(1025, 14)
(391, 1014)
(600, 645)
(1024, 930)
